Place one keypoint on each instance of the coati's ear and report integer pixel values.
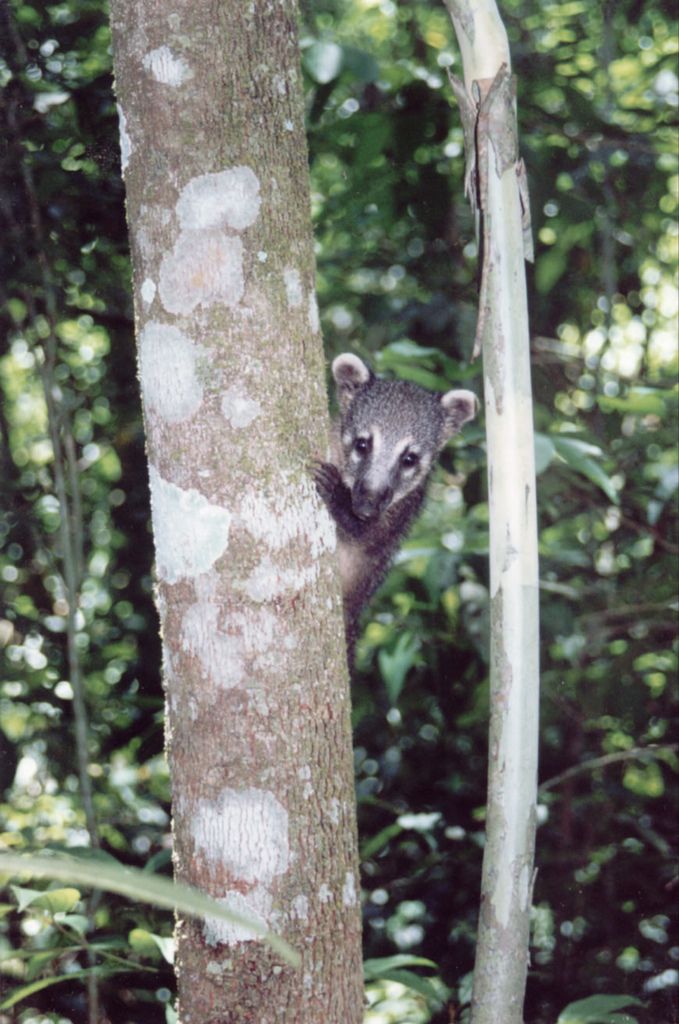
(458, 408)
(351, 374)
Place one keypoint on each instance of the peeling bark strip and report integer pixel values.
(489, 121)
(233, 389)
(495, 184)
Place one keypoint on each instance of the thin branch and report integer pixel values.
(76, 518)
(594, 763)
(56, 424)
(70, 515)
(587, 492)
(80, 717)
(623, 612)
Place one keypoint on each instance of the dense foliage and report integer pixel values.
(597, 92)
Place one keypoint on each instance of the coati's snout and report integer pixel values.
(369, 503)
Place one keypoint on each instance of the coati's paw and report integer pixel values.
(327, 479)
(337, 498)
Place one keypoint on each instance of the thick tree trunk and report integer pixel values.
(232, 380)
(496, 186)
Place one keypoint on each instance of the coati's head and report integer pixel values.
(391, 433)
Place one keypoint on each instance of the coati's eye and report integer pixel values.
(409, 460)
(362, 445)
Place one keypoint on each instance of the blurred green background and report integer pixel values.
(597, 94)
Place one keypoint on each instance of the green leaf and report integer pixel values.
(405, 349)
(422, 986)
(395, 665)
(577, 445)
(149, 944)
(58, 901)
(424, 378)
(373, 139)
(37, 986)
(24, 897)
(158, 860)
(361, 64)
(544, 452)
(78, 922)
(578, 454)
(323, 61)
(638, 402)
(373, 846)
(28, 954)
(598, 1010)
(36, 963)
(554, 261)
(549, 268)
(138, 886)
(374, 967)
(54, 900)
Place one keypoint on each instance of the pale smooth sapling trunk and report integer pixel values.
(233, 389)
(495, 182)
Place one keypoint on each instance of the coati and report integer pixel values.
(385, 443)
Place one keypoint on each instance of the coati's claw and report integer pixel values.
(326, 477)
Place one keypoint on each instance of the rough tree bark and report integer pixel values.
(495, 183)
(232, 380)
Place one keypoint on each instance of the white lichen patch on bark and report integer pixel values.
(167, 360)
(219, 653)
(166, 68)
(206, 263)
(218, 968)
(244, 831)
(250, 643)
(226, 199)
(304, 774)
(300, 907)
(148, 291)
(349, 890)
(239, 409)
(255, 905)
(293, 287)
(125, 140)
(268, 581)
(314, 317)
(190, 533)
(204, 267)
(324, 893)
(151, 227)
(334, 808)
(288, 510)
